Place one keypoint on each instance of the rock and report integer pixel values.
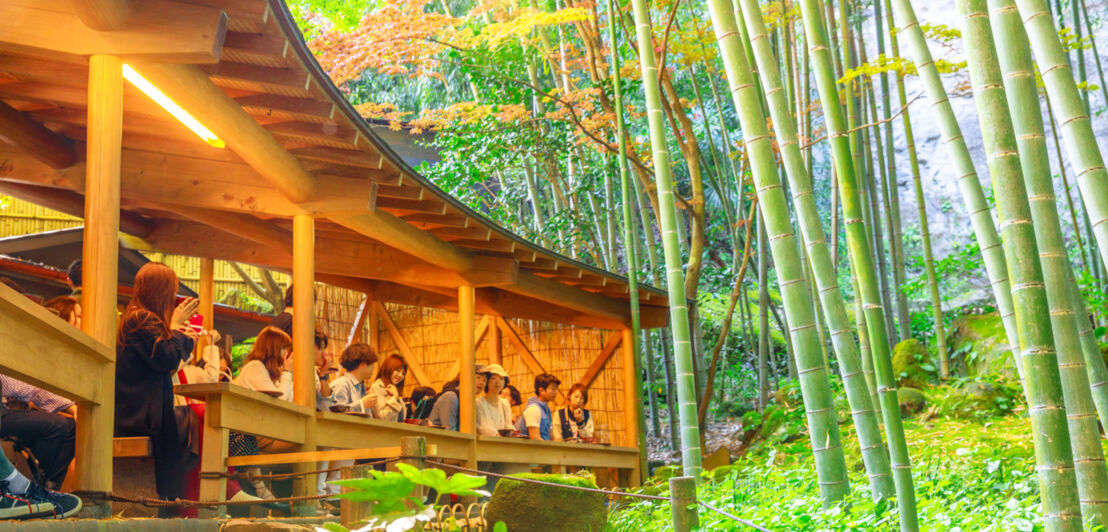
(721, 457)
(912, 365)
(979, 346)
(911, 401)
(526, 507)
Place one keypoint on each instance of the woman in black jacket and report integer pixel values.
(153, 340)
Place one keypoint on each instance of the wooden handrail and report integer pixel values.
(42, 349)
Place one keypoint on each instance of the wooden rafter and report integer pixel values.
(598, 364)
(482, 329)
(413, 363)
(41, 143)
(359, 319)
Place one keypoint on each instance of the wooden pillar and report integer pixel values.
(682, 501)
(303, 344)
(467, 367)
(100, 261)
(496, 345)
(633, 414)
(213, 455)
(414, 450)
(207, 295)
(354, 512)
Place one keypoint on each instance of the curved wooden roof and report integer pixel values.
(294, 146)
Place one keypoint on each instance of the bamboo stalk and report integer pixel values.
(864, 270)
(814, 379)
(679, 315)
(846, 351)
(1052, 391)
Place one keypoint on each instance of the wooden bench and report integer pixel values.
(132, 447)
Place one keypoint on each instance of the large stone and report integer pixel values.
(721, 457)
(912, 365)
(528, 507)
(911, 401)
(979, 346)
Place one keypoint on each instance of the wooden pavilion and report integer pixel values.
(288, 177)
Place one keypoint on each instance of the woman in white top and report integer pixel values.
(493, 412)
(388, 388)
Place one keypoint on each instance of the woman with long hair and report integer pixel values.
(573, 422)
(153, 339)
(388, 388)
(268, 369)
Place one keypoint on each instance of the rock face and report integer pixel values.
(912, 365)
(911, 401)
(979, 346)
(527, 507)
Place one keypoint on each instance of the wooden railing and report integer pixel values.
(230, 407)
(38, 347)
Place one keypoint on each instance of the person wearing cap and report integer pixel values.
(493, 412)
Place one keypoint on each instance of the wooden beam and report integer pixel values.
(483, 328)
(100, 259)
(397, 233)
(413, 363)
(525, 353)
(30, 136)
(496, 347)
(598, 364)
(72, 204)
(359, 319)
(193, 90)
(320, 456)
(551, 291)
(104, 15)
(155, 30)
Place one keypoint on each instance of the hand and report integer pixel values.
(288, 361)
(369, 401)
(213, 336)
(391, 391)
(189, 331)
(183, 312)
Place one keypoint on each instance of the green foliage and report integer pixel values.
(246, 301)
(968, 475)
(239, 353)
(981, 398)
(394, 506)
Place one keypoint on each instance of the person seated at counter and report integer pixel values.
(420, 403)
(536, 419)
(573, 422)
(494, 415)
(348, 391)
(445, 412)
(388, 389)
(515, 401)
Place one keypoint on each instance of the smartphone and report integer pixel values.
(196, 322)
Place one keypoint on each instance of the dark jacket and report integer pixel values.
(146, 360)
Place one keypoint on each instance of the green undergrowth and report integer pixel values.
(970, 474)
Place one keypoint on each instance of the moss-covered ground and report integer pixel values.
(970, 474)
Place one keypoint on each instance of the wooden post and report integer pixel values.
(496, 346)
(414, 449)
(467, 420)
(682, 499)
(632, 398)
(351, 512)
(303, 345)
(212, 456)
(100, 260)
(207, 296)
